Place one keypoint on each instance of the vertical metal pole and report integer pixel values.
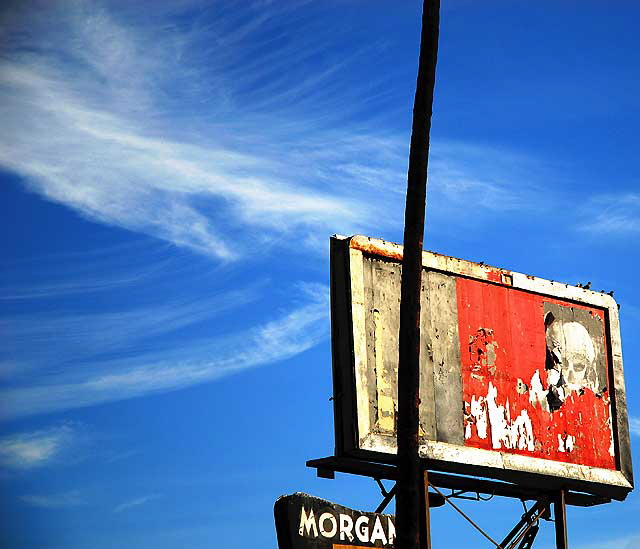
(411, 505)
(425, 515)
(560, 517)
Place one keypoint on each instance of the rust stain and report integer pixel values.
(494, 275)
(377, 247)
(391, 250)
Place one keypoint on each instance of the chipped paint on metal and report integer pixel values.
(307, 522)
(384, 388)
(476, 415)
(356, 266)
(612, 448)
(563, 413)
(566, 443)
(377, 247)
(494, 275)
(432, 260)
(504, 432)
(537, 394)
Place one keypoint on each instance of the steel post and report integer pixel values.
(411, 506)
(560, 517)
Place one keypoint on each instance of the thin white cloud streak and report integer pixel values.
(290, 335)
(114, 174)
(634, 425)
(612, 214)
(56, 337)
(80, 286)
(48, 342)
(72, 498)
(88, 272)
(491, 179)
(35, 449)
(137, 502)
(90, 122)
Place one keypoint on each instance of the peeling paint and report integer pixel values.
(540, 366)
(566, 443)
(521, 387)
(512, 434)
(611, 444)
(479, 413)
(386, 403)
(537, 394)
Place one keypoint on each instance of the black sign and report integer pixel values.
(306, 522)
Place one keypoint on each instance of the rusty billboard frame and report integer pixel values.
(353, 434)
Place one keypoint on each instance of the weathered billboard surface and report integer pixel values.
(521, 378)
(307, 522)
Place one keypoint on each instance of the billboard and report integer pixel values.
(307, 522)
(521, 378)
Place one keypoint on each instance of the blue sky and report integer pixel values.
(170, 175)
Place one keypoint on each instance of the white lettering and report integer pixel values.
(378, 532)
(334, 525)
(308, 523)
(362, 529)
(392, 531)
(346, 527)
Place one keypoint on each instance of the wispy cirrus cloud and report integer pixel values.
(36, 448)
(492, 178)
(297, 330)
(84, 146)
(165, 324)
(89, 272)
(220, 149)
(136, 502)
(214, 137)
(612, 214)
(634, 425)
(49, 340)
(54, 501)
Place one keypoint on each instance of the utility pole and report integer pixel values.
(412, 502)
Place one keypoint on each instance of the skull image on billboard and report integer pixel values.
(520, 378)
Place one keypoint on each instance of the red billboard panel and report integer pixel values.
(534, 375)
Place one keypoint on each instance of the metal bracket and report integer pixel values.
(387, 495)
(525, 532)
(460, 494)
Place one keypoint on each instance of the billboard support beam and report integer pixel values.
(412, 507)
(527, 521)
(458, 483)
(560, 516)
